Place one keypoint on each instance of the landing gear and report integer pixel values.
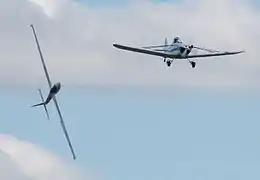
(169, 63)
(193, 64)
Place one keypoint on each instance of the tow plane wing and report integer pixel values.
(143, 51)
(169, 55)
(214, 54)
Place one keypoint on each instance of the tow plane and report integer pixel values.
(177, 50)
(54, 89)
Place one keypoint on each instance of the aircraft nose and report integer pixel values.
(58, 84)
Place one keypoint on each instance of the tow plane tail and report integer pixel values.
(166, 42)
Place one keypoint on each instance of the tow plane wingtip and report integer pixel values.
(239, 52)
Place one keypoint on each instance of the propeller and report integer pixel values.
(191, 46)
(204, 49)
(169, 45)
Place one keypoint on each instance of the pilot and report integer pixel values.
(176, 39)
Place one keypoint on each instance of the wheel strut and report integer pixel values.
(169, 63)
(193, 64)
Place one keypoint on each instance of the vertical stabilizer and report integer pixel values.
(165, 42)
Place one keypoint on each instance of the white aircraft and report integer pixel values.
(53, 91)
(176, 50)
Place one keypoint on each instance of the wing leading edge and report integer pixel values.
(64, 127)
(54, 97)
(143, 51)
(40, 52)
(168, 55)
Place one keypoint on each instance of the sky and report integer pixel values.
(128, 115)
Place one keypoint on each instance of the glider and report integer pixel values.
(54, 89)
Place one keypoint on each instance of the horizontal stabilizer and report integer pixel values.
(43, 103)
(40, 104)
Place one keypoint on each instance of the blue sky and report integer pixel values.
(137, 134)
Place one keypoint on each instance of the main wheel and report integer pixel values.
(193, 64)
(169, 63)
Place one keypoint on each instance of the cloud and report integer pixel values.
(50, 7)
(22, 160)
(77, 40)
(9, 170)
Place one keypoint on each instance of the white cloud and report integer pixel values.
(22, 160)
(77, 42)
(50, 7)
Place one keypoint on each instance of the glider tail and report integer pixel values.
(43, 103)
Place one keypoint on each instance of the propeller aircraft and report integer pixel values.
(175, 50)
(54, 89)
